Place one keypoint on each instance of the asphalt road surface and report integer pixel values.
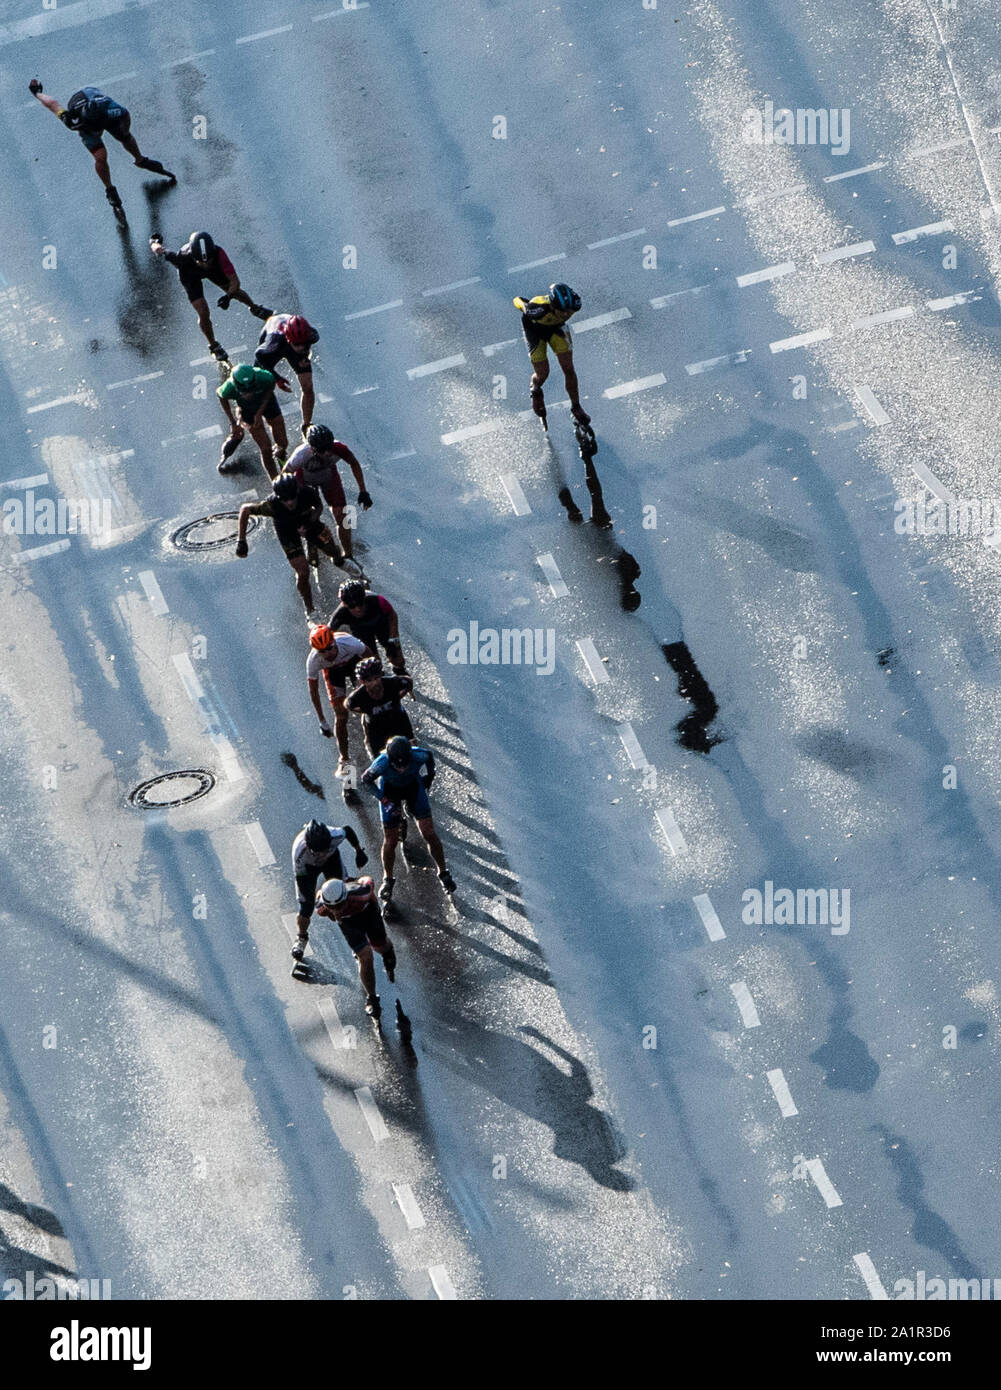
(621, 1085)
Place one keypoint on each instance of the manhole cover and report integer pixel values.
(172, 789)
(210, 532)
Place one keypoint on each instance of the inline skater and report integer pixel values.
(201, 258)
(372, 619)
(316, 856)
(289, 338)
(543, 320)
(399, 778)
(295, 512)
(252, 391)
(335, 655)
(378, 699)
(315, 463)
(352, 904)
(92, 114)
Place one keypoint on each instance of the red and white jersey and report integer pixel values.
(345, 650)
(360, 895)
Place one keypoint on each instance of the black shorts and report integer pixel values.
(306, 882)
(192, 281)
(271, 411)
(379, 730)
(293, 545)
(366, 928)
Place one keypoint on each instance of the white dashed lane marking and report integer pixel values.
(550, 569)
(515, 495)
(491, 348)
(712, 924)
(442, 365)
(345, 9)
(672, 831)
(631, 744)
(191, 683)
(823, 1183)
(932, 483)
(132, 381)
(854, 173)
(471, 431)
(259, 844)
(204, 361)
(696, 216)
(611, 240)
(442, 1284)
(663, 300)
(745, 1003)
(602, 320)
(780, 1089)
(770, 272)
(152, 590)
(867, 1270)
(915, 233)
(455, 285)
(816, 335)
(952, 301)
(264, 34)
(407, 1203)
(372, 1114)
(77, 399)
(531, 265)
(905, 311)
(773, 197)
(844, 253)
(376, 309)
(328, 1013)
(936, 149)
(593, 662)
(22, 484)
(628, 388)
(192, 58)
(401, 454)
(227, 756)
(729, 359)
(876, 412)
(39, 552)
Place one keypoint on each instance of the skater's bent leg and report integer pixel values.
(390, 839)
(240, 295)
(341, 725)
(426, 827)
(366, 968)
(280, 436)
(260, 437)
(343, 531)
(101, 165)
(201, 308)
(565, 360)
(301, 566)
(308, 399)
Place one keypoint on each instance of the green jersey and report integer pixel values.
(250, 398)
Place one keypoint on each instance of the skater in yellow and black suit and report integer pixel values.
(543, 320)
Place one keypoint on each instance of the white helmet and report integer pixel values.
(334, 891)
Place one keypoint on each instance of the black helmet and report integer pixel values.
(318, 836)
(201, 245)
(321, 439)
(399, 751)
(286, 487)
(370, 669)
(563, 297)
(352, 593)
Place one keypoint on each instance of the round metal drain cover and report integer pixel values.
(172, 789)
(210, 532)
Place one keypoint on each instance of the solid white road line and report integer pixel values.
(22, 484)
(631, 744)
(39, 552)
(412, 1213)
(770, 272)
(191, 683)
(76, 399)
(373, 1118)
(854, 173)
(951, 301)
(442, 365)
(712, 924)
(876, 412)
(152, 591)
(132, 381)
(729, 359)
(868, 1272)
(816, 335)
(611, 240)
(782, 1093)
(663, 300)
(471, 431)
(259, 844)
(593, 662)
(492, 348)
(601, 320)
(550, 569)
(914, 233)
(264, 34)
(455, 285)
(328, 1012)
(515, 495)
(531, 265)
(933, 485)
(696, 217)
(628, 388)
(843, 253)
(442, 1284)
(823, 1183)
(677, 842)
(745, 1003)
(905, 311)
(376, 309)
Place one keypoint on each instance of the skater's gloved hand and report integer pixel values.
(34, 86)
(283, 383)
(223, 301)
(241, 550)
(361, 859)
(364, 499)
(156, 244)
(325, 729)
